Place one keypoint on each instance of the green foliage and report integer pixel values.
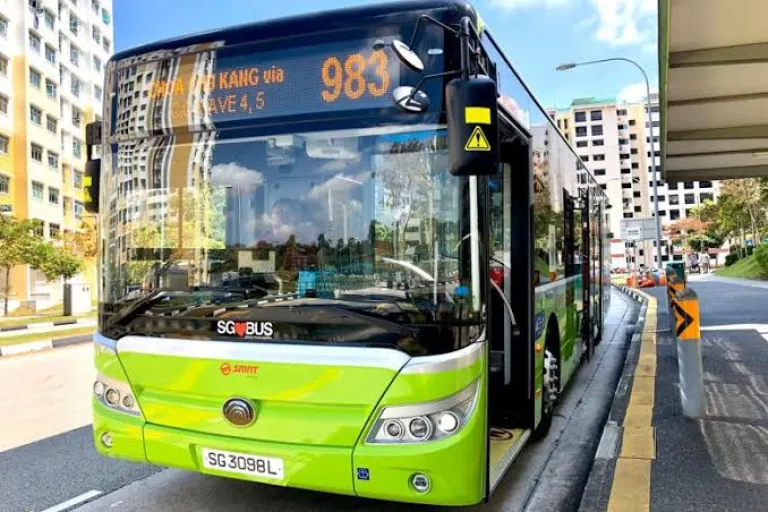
(761, 257)
(18, 243)
(700, 243)
(745, 268)
(59, 262)
(731, 258)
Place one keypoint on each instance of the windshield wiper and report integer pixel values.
(127, 314)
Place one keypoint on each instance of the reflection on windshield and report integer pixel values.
(368, 220)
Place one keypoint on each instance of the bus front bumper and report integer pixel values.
(454, 468)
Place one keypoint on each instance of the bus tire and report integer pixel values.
(550, 381)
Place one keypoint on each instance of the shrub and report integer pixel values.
(761, 256)
(731, 259)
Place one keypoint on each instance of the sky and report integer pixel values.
(536, 35)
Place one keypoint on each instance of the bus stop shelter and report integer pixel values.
(713, 67)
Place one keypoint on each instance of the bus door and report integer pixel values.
(586, 274)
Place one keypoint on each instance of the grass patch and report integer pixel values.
(746, 268)
(39, 336)
(38, 320)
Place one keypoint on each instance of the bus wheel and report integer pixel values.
(548, 392)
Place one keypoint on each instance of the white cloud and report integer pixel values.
(234, 173)
(524, 4)
(635, 93)
(625, 22)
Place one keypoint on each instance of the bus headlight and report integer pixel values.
(429, 421)
(116, 395)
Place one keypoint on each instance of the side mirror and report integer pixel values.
(473, 131)
(92, 178)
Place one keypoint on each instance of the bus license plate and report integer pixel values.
(243, 463)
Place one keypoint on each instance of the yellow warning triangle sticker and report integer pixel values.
(477, 141)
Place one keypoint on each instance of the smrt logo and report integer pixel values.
(243, 329)
(238, 369)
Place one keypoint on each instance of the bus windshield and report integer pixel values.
(332, 236)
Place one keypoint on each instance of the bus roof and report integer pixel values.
(309, 23)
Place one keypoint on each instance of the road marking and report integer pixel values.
(631, 488)
(77, 500)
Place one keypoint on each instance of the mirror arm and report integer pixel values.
(436, 75)
(433, 20)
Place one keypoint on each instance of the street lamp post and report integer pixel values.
(571, 65)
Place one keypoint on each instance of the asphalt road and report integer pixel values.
(719, 462)
(58, 464)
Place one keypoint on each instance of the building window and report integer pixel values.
(77, 116)
(565, 121)
(74, 24)
(636, 193)
(674, 214)
(580, 117)
(626, 171)
(50, 19)
(581, 131)
(706, 196)
(96, 35)
(705, 184)
(35, 78)
(596, 115)
(75, 86)
(653, 123)
(5, 184)
(53, 195)
(50, 89)
(3, 65)
(621, 112)
(105, 43)
(37, 190)
(621, 126)
(674, 199)
(78, 209)
(34, 42)
(632, 136)
(105, 16)
(35, 115)
(690, 198)
(598, 158)
(581, 143)
(597, 142)
(626, 185)
(599, 172)
(638, 209)
(623, 141)
(98, 94)
(77, 147)
(78, 180)
(635, 165)
(662, 199)
(53, 160)
(597, 130)
(50, 54)
(54, 230)
(74, 56)
(96, 63)
(688, 185)
(51, 123)
(624, 156)
(36, 152)
(3, 27)
(654, 109)
(662, 213)
(585, 158)
(628, 215)
(96, 6)
(4, 142)
(3, 104)
(672, 186)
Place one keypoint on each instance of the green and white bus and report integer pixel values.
(346, 251)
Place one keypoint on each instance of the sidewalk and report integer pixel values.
(45, 327)
(719, 462)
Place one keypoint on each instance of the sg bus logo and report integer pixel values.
(243, 329)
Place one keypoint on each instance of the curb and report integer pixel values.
(36, 346)
(40, 325)
(598, 488)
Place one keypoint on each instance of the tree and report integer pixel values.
(18, 242)
(55, 262)
(84, 242)
(749, 196)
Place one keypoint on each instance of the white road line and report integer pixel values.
(77, 500)
(761, 329)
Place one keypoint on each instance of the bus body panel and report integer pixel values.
(313, 404)
(456, 465)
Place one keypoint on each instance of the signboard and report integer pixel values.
(635, 230)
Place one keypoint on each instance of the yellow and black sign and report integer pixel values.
(687, 321)
(477, 141)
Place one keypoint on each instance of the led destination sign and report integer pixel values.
(329, 77)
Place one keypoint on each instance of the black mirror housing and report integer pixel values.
(473, 130)
(91, 182)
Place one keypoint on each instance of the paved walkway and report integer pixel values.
(718, 462)
(48, 328)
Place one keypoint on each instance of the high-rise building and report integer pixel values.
(614, 141)
(52, 57)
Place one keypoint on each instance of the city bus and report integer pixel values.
(346, 251)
